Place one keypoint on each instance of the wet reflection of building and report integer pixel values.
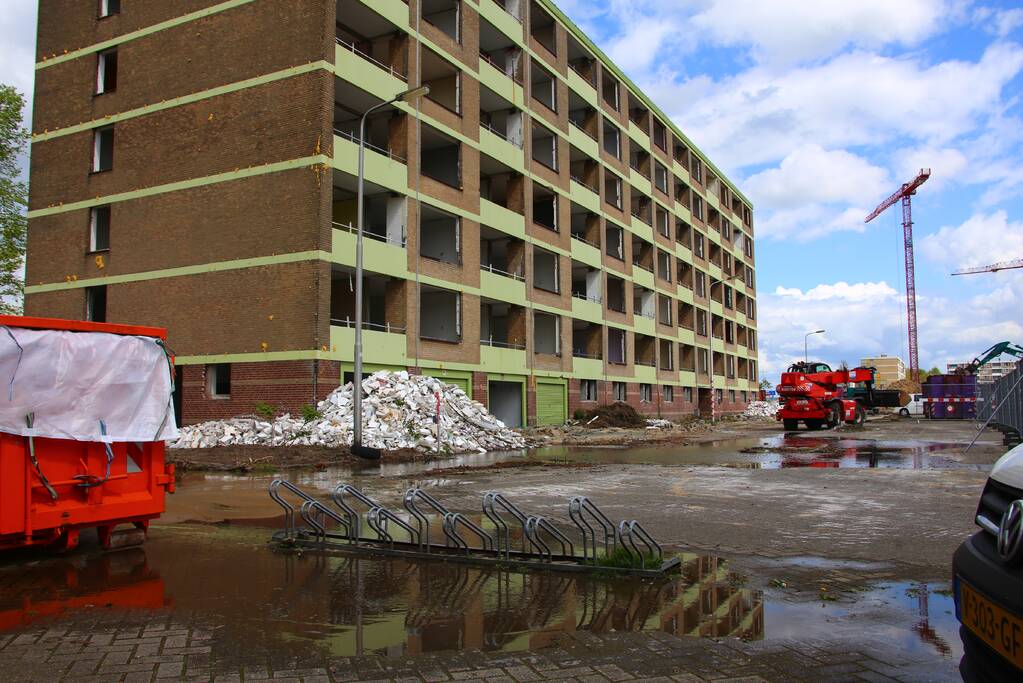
(121, 580)
(407, 609)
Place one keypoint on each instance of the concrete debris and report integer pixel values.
(658, 423)
(398, 413)
(761, 409)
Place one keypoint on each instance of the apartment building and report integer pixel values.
(889, 368)
(989, 373)
(538, 231)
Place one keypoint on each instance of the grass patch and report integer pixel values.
(621, 559)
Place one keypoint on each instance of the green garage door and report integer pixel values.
(550, 403)
(460, 382)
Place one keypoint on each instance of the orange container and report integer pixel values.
(133, 494)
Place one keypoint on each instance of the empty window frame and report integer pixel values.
(612, 189)
(646, 393)
(609, 89)
(440, 235)
(698, 245)
(664, 264)
(546, 271)
(701, 322)
(661, 177)
(662, 221)
(99, 228)
(667, 393)
(106, 72)
(546, 333)
(701, 284)
(218, 380)
(696, 168)
(587, 390)
(543, 86)
(103, 149)
(542, 28)
(545, 207)
(697, 206)
(440, 313)
(731, 395)
(612, 139)
(614, 239)
(445, 15)
(444, 80)
(96, 304)
(687, 394)
(440, 157)
(660, 135)
(619, 391)
(108, 8)
(544, 147)
(615, 346)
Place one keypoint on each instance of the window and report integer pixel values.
(546, 333)
(543, 86)
(646, 393)
(696, 169)
(687, 394)
(542, 28)
(544, 146)
(613, 190)
(660, 135)
(103, 149)
(731, 395)
(730, 371)
(441, 235)
(609, 90)
(619, 391)
(612, 139)
(701, 322)
(445, 15)
(702, 361)
(96, 304)
(661, 177)
(744, 396)
(99, 229)
(440, 315)
(697, 206)
(587, 390)
(701, 284)
(218, 380)
(662, 221)
(106, 72)
(109, 8)
(667, 394)
(615, 346)
(545, 271)
(545, 207)
(614, 239)
(698, 245)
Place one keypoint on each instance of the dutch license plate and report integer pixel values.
(997, 627)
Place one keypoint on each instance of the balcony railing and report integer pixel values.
(643, 314)
(500, 67)
(379, 327)
(577, 179)
(581, 127)
(582, 354)
(589, 78)
(350, 135)
(582, 239)
(586, 297)
(502, 345)
(497, 271)
(348, 227)
(646, 363)
(500, 134)
(351, 47)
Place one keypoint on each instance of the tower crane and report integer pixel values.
(993, 268)
(905, 193)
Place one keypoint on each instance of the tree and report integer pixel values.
(13, 201)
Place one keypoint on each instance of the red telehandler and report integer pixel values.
(821, 397)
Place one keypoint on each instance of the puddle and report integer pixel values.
(283, 605)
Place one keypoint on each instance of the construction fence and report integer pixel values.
(1001, 402)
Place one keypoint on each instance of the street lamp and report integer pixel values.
(805, 337)
(357, 447)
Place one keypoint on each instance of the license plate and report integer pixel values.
(1000, 629)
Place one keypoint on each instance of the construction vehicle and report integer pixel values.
(988, 356)
(818, 396)
(86, 408)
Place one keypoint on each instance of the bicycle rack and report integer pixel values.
(544, 544)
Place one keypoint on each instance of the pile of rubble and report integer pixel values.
(658, 423)
(398, 412)
(761, 409)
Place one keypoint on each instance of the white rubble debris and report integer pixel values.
(761, 409)
(398, 413)
(657, 423)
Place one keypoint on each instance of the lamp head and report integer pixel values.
(414, 94)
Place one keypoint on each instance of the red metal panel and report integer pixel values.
(81, 326)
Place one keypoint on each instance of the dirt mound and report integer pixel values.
(615, 415)
(905, 385)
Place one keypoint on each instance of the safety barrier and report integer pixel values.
(516, 538)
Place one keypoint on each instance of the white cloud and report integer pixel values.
(637, 48)
(811, 174)
(787, 31)
(946, 163)
(997, 21)
(980, 240)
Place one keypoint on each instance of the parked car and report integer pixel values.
(988, 579)
(914, 407)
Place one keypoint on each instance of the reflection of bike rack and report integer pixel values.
(544, 544)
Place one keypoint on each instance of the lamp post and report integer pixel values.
(357, 447)
(805, 338)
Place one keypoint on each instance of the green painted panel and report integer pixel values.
(639, 135)
(380, 169)
(582, 87)
(501, 83)
(551, 402)
(644, 325)
(587, 368)
(502, 150)
(378, 257)
(385, 348)
(686, 336)
(502, 288)
(503, 21)
(500, 218)
(681, 171)
(365, 74)
(684, 294)
(642, 277)
(394, 10)
(504, 361)
(640, 181)
(585, 196)
(646, 374)
(717, 345)
(583, 309)
(716, 308)
(587, 253)
(583, 141)
(687, 378)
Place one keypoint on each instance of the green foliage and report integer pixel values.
(579, 414)
(265, 410)
(13, 201)
(623, 559)
(310, 413)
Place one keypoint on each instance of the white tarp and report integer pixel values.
(73, 380)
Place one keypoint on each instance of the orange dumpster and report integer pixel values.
(84, 411)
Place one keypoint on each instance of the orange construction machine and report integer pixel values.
(84, 411)
(816, 395)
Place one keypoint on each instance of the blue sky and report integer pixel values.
(818, 111)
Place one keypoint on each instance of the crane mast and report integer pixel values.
(905, 194)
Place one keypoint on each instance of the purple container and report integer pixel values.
(951, 387)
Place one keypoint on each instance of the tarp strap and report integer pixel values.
(170, 398)
(87, 480)
(21, 352)
(30, 420)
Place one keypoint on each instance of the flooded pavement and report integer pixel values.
(289, 606)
